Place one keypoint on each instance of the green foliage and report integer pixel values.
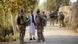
(8, 11)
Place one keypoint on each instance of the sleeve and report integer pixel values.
(18, 20)
(35, 18)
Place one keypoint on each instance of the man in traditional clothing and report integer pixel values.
(32, 26)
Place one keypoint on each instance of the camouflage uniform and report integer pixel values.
(22, 27)
(40, 28)
(22, 33)
(61, 19)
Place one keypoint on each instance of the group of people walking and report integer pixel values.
(35, 22)
(58, 17)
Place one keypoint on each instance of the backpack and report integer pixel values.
(44, 21)
(40, 20)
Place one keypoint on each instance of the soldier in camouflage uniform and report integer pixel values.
(61, 19)
(21, 21)
(39, 27)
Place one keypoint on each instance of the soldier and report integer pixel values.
(44, 18)
(61, 19)
(21, 21)
(44, 15)
(39, 26)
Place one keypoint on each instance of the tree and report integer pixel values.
(74, 21)
(8, 11)
(55, 4)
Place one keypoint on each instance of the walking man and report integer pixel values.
(39, 26)
(22, 22)
(61, 19)
(44, 18)
(32, 26)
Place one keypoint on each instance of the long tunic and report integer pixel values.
(31, 26)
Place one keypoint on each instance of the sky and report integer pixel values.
(73, 1)
(42, 2)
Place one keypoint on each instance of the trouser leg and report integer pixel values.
(33, 34)
(63, 23)
(60, 22)
(42, 36)
(39, 36)
(22, 34)
(30, 35)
